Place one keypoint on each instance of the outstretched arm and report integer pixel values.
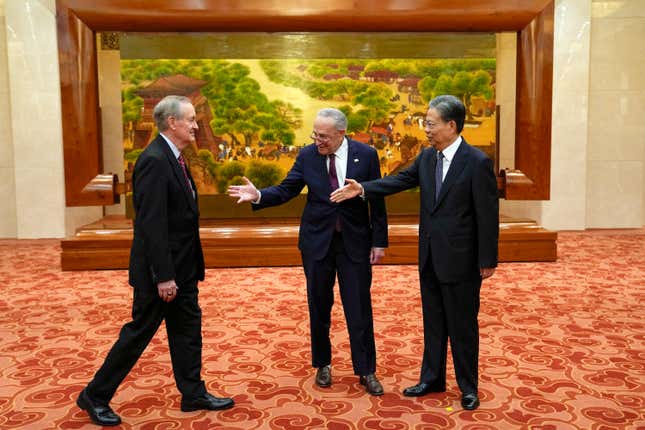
(244, 193)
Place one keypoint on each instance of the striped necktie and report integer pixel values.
(182, 163)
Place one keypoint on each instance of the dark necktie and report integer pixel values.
(333, 181)
(333, 178)
(438, 175)
(182, 163)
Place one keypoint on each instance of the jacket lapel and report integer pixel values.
(456, 167)
(321, 161)
(193, 198)
(350, 167)
(179, 174)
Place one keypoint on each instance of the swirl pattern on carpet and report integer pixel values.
(562, 347)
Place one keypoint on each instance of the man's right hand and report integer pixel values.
(167, 290)
(244, 193)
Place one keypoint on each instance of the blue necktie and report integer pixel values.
(438, 176)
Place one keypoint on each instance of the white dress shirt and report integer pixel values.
(448, 154)
(341, 162)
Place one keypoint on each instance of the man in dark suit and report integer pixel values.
(344, 239)
(458, 233)
(166, 262)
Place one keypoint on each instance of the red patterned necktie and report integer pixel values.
(182, 163)
(333, 178)
(333, 181)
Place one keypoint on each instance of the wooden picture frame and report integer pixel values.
(79, 20)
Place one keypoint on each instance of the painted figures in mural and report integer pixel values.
(252, 114)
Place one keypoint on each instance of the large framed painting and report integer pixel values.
(79, 21)
(256, 96)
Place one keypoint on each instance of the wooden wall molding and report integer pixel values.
(258, 242)
(79, 20)
(533, 106)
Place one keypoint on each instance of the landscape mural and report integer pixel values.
(254, 115)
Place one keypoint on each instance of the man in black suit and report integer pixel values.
(166, 262)
(458, 233)
(344, 239)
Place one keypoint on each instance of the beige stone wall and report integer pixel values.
(35, 121)
(616, 143)
(566, 208)
(8, 221)
(598, 138)
(109, 66)
(505, 93)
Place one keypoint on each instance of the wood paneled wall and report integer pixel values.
(79, 20)
(533, 120)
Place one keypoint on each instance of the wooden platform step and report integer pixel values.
(261, 242)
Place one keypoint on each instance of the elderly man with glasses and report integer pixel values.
(458, 241)
(341, 240)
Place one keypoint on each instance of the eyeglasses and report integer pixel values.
(320, 137)
(431, 125)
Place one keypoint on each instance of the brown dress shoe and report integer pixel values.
(372, 384)
(323, 376)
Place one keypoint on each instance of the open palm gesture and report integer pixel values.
(244, 193)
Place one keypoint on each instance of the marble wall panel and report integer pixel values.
(616, 148)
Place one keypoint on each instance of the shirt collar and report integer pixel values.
(342, 150)
(450, 150)
(172, 146)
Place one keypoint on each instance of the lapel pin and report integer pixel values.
(355, 160)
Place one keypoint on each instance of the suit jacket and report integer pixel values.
(364, 224)
(460, 230)
(166, 242)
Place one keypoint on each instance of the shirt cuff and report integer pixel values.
(257, 202)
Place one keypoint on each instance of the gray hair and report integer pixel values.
(340, 120)
(450, 108)
(167, 107)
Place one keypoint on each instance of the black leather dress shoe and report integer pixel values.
(470, 401)
(323, 376)
(101, 415)
(422, 388)
(206, 402)
(372, 384)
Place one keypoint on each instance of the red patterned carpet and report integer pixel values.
(562, 347)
